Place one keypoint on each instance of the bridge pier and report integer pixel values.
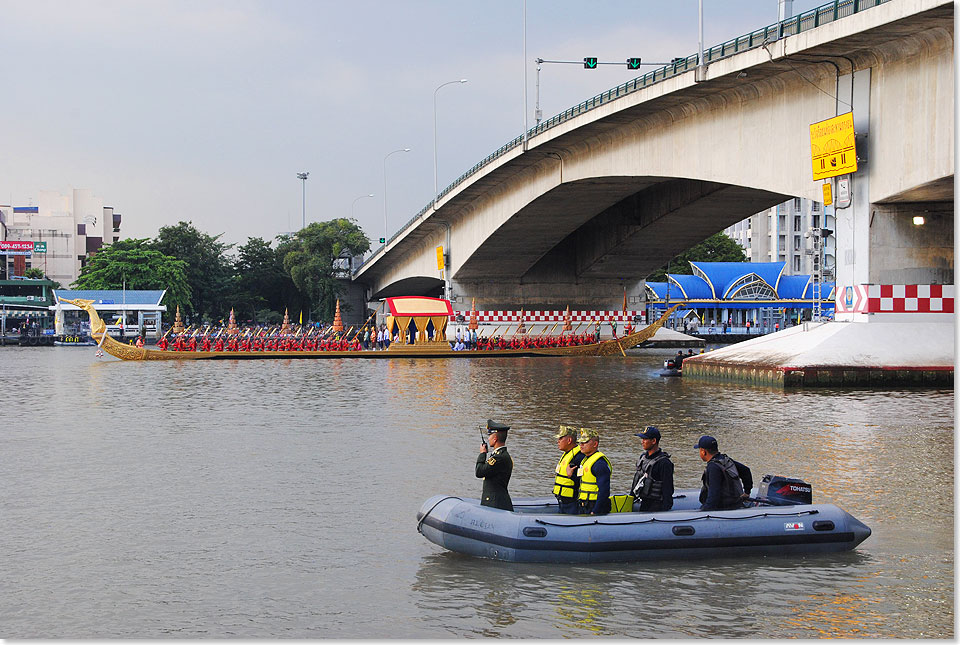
(549, 294)
(895, 289)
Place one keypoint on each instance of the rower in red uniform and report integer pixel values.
(218, 346)
(192, 344)
(205, 344)
(162, 344)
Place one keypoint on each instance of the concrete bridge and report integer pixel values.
(600, 196)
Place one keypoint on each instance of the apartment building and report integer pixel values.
(67, 227)
(780, 234)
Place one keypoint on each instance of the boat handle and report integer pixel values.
(823, 525)
(684, 530)
(534, 531)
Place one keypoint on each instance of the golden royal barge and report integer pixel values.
(419, 311)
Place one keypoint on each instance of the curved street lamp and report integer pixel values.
(353, 214)
(436, 188)
(389, 154)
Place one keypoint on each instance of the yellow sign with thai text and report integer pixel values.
(440, 261)
(827, 193)
(832, 147)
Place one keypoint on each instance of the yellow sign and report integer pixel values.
(827, 193)
(832, 147)
(440, 262)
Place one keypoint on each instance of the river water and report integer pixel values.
(278, 499)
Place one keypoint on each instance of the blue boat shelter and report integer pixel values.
(728, 296)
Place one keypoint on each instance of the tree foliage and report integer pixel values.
(136, 265)
(716, 248)
(311, 258)
(262, 284)
(209, 271)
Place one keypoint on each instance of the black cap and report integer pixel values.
(650, 432)
(707, 443)
(493, 426)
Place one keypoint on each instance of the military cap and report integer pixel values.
(566, 431)
(650, 432)
(493, 426)
(586, 434)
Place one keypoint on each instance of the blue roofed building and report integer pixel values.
(733, 294)
(128, 313)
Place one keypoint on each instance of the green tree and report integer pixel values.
(209, 271)
(716, 248)
(33, 273)
(262, 284)
(312, 257)
(135, 264)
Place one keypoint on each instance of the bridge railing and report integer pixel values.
(792, 26)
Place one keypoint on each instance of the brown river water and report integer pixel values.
(278, 499)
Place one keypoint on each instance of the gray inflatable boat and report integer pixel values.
(536, 532)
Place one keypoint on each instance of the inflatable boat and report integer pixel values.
(536, 532)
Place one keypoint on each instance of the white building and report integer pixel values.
(72, 226)
(778, 234)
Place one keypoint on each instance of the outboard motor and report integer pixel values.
(784, 491)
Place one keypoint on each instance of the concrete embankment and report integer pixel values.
(836, 354)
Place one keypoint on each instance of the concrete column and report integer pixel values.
(853, 223)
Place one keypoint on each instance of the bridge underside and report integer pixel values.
(583, 242)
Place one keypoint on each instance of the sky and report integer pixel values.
(206, 110)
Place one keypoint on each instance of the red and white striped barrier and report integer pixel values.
(896, 299)
(549, 316)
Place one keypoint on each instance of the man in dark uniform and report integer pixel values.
(495, 468)
(724, 480)
(653, 482)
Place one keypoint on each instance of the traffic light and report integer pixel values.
(825, 232)
(590, 62)
(383, 240)
(633, 63)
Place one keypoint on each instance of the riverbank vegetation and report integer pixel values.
(206, 277)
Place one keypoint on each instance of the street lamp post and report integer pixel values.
(436, 188)
(385, 190)
(353, 214)
(302, 176)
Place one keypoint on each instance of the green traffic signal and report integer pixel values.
(590, 62)
(383, 240)
(633, 63)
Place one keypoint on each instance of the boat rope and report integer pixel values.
(685, 519)
(424, 516)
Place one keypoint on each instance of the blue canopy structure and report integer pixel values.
(740, 290)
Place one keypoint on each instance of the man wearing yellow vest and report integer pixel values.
(566, 484)
(594, 472)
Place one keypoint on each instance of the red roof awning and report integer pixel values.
(419, 306)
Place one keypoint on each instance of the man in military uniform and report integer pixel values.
(566, 487)
(653, 482)
(594, 473)
(494, 465)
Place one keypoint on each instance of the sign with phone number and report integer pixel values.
(22, 247)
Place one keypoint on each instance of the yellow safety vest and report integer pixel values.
(588, 481)
(563, 485)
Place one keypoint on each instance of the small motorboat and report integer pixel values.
(782, 520)
(672, 368)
